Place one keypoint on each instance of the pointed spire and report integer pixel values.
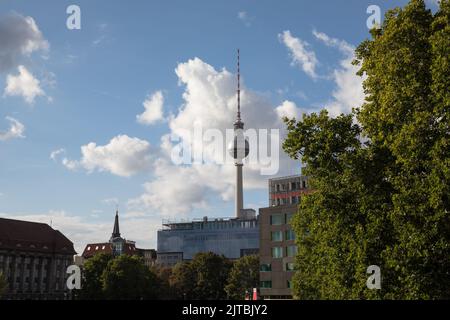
(116, 231)
(238, 124)
(238, 88)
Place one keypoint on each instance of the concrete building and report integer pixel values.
(277, 239)
(287, 190)
(34, 258)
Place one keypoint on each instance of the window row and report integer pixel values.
(267, 267)
(278, 235)
(279, 219)
(289, 251)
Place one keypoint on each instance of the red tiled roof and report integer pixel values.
(33, 236)
(106, 247)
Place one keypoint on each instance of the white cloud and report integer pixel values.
(288, 109)
(111, 201)
(16, 130)
(300, 54)
(19, 36)
(54, 154)
(81, 230)
(153, 109)
(122, 156)
(349, 92)
(209, 99)
(24, 84)
(245, 18)
(70, 164)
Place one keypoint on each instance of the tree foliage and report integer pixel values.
(121, 278)
(203, 278)
(381, 175)
(91, 285)
(244, 276)
(127, 278)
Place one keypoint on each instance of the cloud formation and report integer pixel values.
(16, 130)
(122, 156)
(24, 84)
(19, 37)
(349, 91)
(153, 109)
(210, 101)
(288, 109)
(300, 53)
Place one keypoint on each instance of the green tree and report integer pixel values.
(166, 290)
(244, 276)
(183, 280)
(3, 284)
(127, 278)
(92, 271)
(211, 272)
(202, 278)
(381, 184)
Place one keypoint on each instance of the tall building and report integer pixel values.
(34, 258)
(232, 237)
(287, 190)
(118, 246)
(277, 239)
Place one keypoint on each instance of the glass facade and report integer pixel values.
(232, 238)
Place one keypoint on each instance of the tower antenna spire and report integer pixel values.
(238, 88)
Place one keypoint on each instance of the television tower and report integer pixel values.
(239, 148)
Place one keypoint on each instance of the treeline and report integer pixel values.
(207, 277)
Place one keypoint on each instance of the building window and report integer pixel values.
(277, 236)
(266, 284)
(304, 184)
(289, 216)
(290, 266)
(265, 267)
(290, 235)
(291, 251)
(276, 219)
(288, 284)
(294, 200)
(277, 252)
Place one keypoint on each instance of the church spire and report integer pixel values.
(116, 232)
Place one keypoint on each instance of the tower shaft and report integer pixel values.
(239, 200)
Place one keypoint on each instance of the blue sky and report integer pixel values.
(93, 83)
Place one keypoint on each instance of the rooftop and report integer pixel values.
(33, 236)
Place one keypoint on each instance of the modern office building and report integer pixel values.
(34, 258)
(231, 237)
(277, 239)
